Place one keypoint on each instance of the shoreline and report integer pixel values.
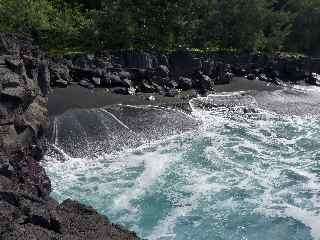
(27, 77)
(75, 96)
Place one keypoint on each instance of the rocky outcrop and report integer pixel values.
(135, 59)
(26, 209)
(14, 44)
(183, 63)
(285, 102)
(131, 72)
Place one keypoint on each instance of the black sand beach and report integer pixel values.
(62, 99)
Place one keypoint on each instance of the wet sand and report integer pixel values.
(62, 99)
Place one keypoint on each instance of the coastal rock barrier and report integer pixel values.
(134, 71)
(26, 209)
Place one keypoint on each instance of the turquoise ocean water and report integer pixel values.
(239, 177)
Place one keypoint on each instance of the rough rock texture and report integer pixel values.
(133, 71)
(14, 44)
(184, 64)
(135, 59)
(26, 210)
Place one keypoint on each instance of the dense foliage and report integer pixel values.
(244, 25)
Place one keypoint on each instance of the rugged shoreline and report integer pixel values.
(26, 209)
(27, 77)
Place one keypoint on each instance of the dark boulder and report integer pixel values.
(276, 81)
(183, 63)
(159, 89)
(227, 77)
(161, 81)
(77, 219)
(16, 65)
(31, 65)
(15, 44)
(313, 65)
(77, 73)
(6, 169)
(10, 79)
(256, 71)
(59, 75)
(96, 81)
(66, 61)
(135, 59)
(26, 217)
(293, 71)
(172, 84)
(275, 74)
(137, 74)
(124, 75)
(264, 78)
(251, 76)
(146, 87)
(120, 90)
(163, 60)
(313, 79)
(38, 70)
(202, 81)
(84, 61)
(222, 74)
(208, 67)
(185, 83)
(162, 71)
(239, 70)
(61, 83)
(111, 80)
(102, 63)
(86, 84)
(44, 78)
(25, 123)
(15, 94)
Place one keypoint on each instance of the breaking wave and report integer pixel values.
(240, 175)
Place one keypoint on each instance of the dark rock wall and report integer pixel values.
(26, 209)
(182, 62)
(133, 71)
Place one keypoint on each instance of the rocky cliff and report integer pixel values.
(26, 209)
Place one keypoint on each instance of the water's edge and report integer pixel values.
(240, 176)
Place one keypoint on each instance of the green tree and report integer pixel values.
(244, 25)
(305, 35)
(239, 23)
(25, 15)
(54, 24)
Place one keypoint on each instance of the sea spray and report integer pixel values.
(239, 176)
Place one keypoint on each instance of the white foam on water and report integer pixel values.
(154, 166)
(272, 199)
(223, 94)
(269, 159)
(307, 218)
(198, 186)
(306, 88)
(115, 118)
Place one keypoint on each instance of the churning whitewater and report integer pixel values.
(243, 173)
